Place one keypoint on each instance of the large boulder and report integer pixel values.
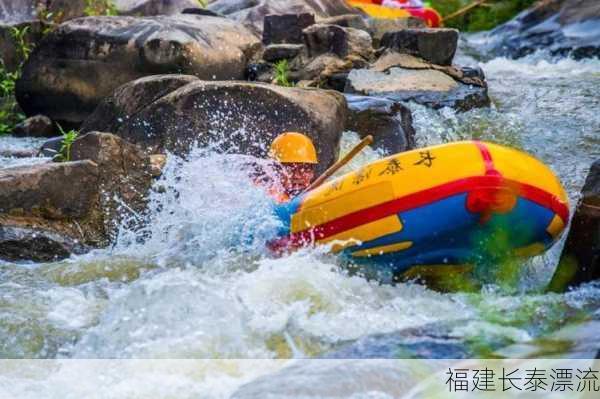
(562, 27)
(84, 60)
(580, 259)
(50, 210)
(252, 12)
(437, 46)
(173, 113)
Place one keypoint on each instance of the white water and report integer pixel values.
(189, 291)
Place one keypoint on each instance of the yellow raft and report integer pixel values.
(448, 204)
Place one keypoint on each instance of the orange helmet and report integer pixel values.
(292, 147)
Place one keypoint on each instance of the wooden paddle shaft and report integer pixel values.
(336, 166)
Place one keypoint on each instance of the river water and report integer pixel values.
(191, 291)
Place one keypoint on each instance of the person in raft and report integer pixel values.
(399, 3)
(295, 157)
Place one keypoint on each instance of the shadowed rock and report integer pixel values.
(35, 244)
(84, 60)
(437, 46)
(233, 116)
(580, 259)
(35, 126)
(561, 27)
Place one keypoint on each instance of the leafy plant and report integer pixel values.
(48, 18)
(282, 71)
(22, 43)
(68, 138)
(100, 7)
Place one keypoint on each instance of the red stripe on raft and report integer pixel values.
(416, 200)
(490, 169)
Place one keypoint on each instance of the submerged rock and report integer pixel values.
(252, 12)
(68, 206)
(18, 243)
(561, 27)
(389, 122)
(84, 60)
(580, 259)
(35, 126)
(173, 113)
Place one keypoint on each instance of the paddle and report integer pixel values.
(336, 166)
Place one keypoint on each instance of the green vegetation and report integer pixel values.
(100, 7)
(202, 3)
(48, 19)
(64, 154)
(22, 44)
(282, 70)
(482, 17)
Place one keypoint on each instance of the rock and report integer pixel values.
(424, 86)
(35, 126)
(437, 46)
(347, 21)
(201, 11)
(84, 60)
(389, 122)
(153, 7)
(19, 11)
(83, 201)
(321, 39)
(276, 52)
(18, 153)
(35, 244)
(8, 50)
(237, 116)
(561, 27)
(50, 190)
(286, 28)
(157, 163)
(51, 147)
(380, 26)
(580, 259)
(251, 13)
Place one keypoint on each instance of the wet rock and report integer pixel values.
(347, 21)
(50, 190)
(380, 26)
(35, 126)
(251, 13)
(561, 27)
(437, 46)
(84, 60)
(18, 153)
(389, 122)
(424, 86)
(201, 11)
(276, 52)
(82, 201)
(51, 147)
(321, 39)
(236, 116)
(286, 28)
(35, 244)
(580, 259)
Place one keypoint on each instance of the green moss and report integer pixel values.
(483, 17)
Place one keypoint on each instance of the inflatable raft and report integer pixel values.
(451, 204)
(429, 15)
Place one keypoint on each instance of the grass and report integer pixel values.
(484, 17)
(100, 7)
(69, 137)
(282, 70)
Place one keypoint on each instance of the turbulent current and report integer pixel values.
(190, 290)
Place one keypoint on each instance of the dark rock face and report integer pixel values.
(286, 28)
(333, 39)
(562, 27)
(437, 46)
(389, 122)
(276, 52)
(84, 60)
(72, 205)
(580, 259)
(35, 244)
(240, 117)
(347, 21)
(252, 12)
(35, 126)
